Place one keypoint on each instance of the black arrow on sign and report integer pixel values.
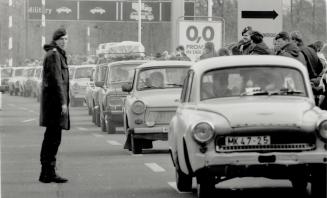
(259, 14)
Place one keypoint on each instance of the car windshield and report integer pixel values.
(252, 81)
(161, 78)
(83, 72)
(19, 72)
(122, 73)
(6, 72)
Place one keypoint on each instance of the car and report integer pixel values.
(111, 96)
(15, 79)
(248, 116)
(98, 10)
(6, 73)
(152, 101)
(63, 10)
(80, 76)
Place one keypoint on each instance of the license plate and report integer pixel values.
(247, 140)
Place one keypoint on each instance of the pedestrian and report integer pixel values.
(54, 111)
(314, 65)
(259, 46)
(208, 51)
(287, 48)
(245, 45)
(180, 54)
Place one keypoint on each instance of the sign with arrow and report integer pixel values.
(264, 16)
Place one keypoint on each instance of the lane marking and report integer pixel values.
(81, 128)
(29, 120)
(114, 143)
(174, 186)
(155, 167)
(97, 135)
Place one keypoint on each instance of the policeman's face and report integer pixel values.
(62, 42)
(246, 36)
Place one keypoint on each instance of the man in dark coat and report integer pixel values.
(245, 45)
(54, 112)
(259, 47)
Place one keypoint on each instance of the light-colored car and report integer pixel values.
(6, 73)
(248, 116)
(152, 102)
(80, 76)
(14, 81)
(111, 97)
(98, 10)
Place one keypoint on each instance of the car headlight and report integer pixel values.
(322, 128)
(138, 107)
(203, 132)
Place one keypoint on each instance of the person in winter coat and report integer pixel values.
(314, 65)
(180, 54)
(259, 47)
(54, 112)
(208, 51)
(287, 48)
(245, 45)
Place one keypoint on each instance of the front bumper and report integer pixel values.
(151, 133)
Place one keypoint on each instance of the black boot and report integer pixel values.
(48, 174)
(56, 178)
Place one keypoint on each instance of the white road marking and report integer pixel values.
(155, 167)
(174, 186)
(81, 128)
(97, 135)
(29, 120)
(114, 143)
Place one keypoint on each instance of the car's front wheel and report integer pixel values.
(183, 181)
(205, 186)
(136, 145)
(319, 181)
(110, 125)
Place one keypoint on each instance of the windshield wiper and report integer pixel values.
(286, 92)
(175, 84)
(256, 93)
(151, 87)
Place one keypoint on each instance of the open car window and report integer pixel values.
(252, 81)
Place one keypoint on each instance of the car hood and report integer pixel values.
(160, 97)
(262, 112)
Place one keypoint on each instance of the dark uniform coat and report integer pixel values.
(54, 88)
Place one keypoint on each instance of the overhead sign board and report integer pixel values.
(194, 34)
(54, 10)
(265, 16)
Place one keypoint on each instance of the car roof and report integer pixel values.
(246, 60)
(165, 63)
(126, 62)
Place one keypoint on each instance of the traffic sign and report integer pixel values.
(265, 16)
(194, 34)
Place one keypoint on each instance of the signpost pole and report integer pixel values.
(139, 28)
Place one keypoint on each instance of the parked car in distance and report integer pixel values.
(6, 73)
(80, 76)
(111, 97)
(14, 80)
(152, 102)
(248, 116)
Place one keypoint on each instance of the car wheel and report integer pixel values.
(103, 125)
(205, 188)
(319, 181)
(97, 119)
(93, 116)
(136, 146)
(110, 125)
(183, 181)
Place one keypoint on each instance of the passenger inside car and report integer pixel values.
(156, 80)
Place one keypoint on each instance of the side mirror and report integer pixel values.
(127, 87)
(99, 83)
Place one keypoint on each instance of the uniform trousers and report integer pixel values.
(50, 145)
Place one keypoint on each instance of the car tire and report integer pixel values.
(136, 146)
(97, 119)
(110, 125)
(205, 188)
(93, 116)
(319, 181)
(183, 181)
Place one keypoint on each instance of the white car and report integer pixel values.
(98, 10)
(249, 116)
(63, 10)
(152, 102)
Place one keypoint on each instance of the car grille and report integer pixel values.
(280, 141)
(160, 116)
(116, 100)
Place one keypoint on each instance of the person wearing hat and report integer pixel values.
(54, 112)
(259, 47)
(245, 45)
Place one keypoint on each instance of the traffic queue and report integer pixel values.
(223, 117)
